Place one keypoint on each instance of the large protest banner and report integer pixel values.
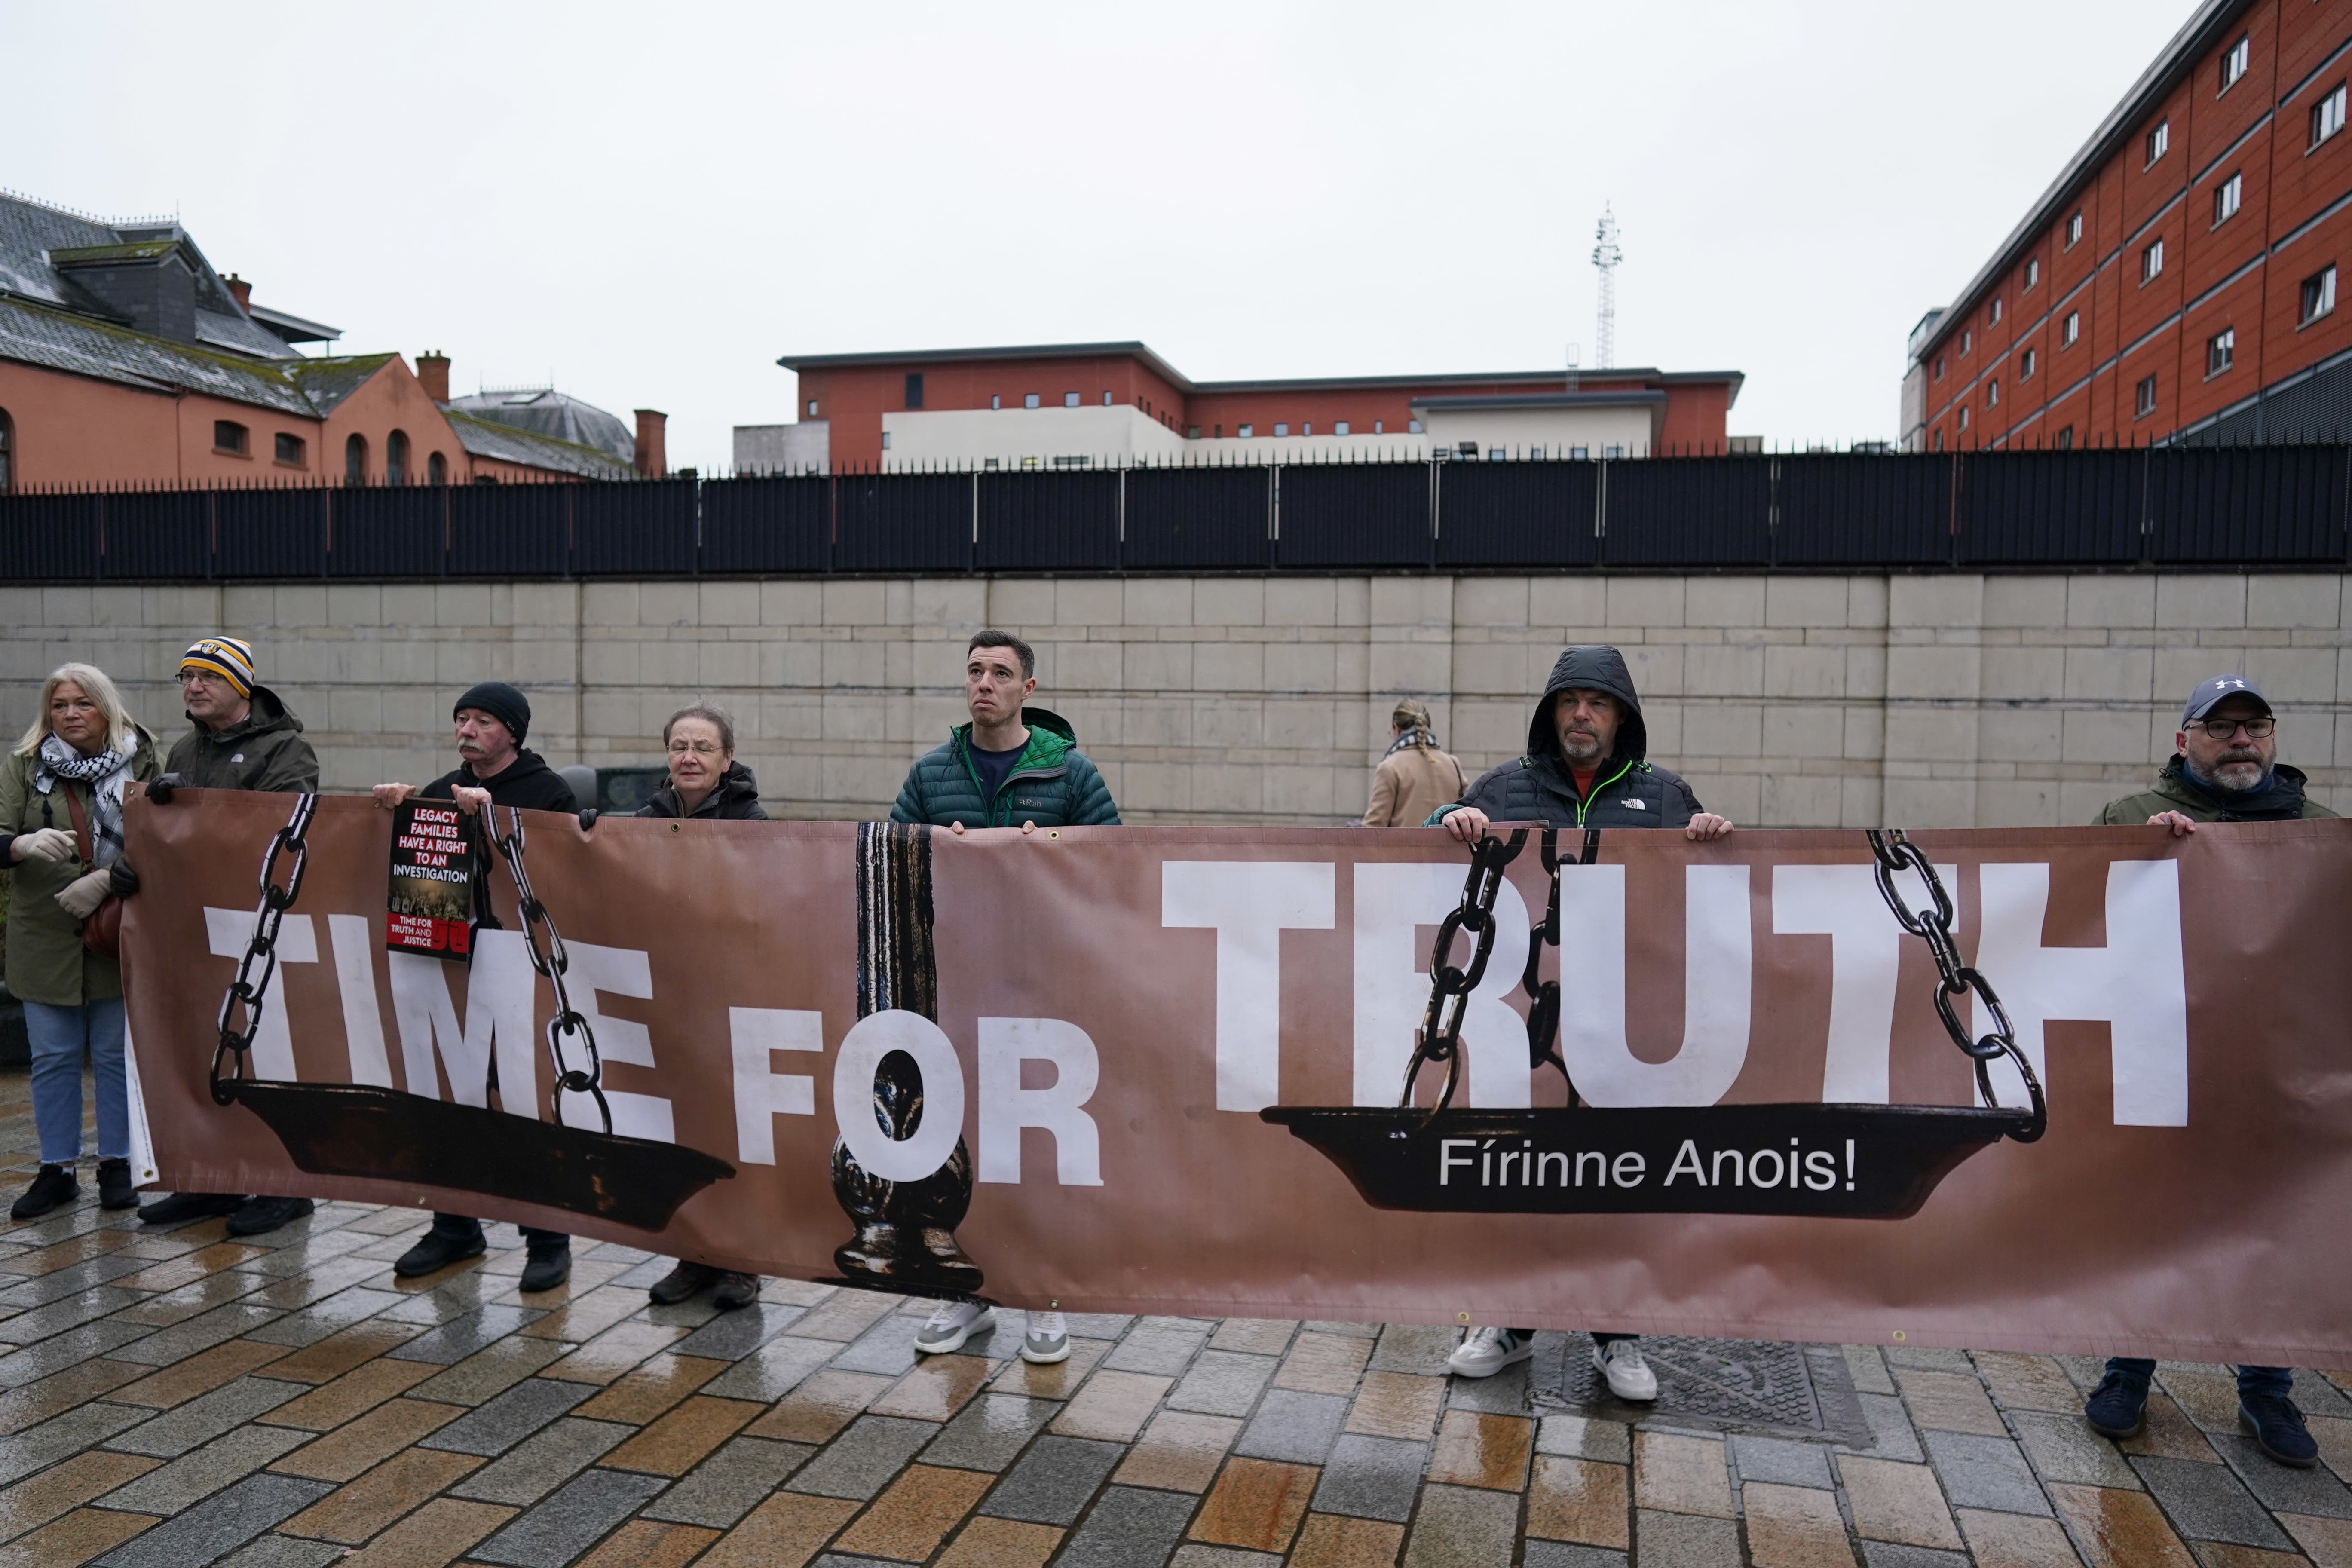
(1036, 1066)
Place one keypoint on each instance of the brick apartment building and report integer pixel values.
(1078, 404)
(2177, 281)
(125, 359)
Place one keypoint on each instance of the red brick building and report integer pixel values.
(2178, 282)
(1072, 403)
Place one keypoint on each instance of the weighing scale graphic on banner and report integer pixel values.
(1823, 1161)
(364, 1130)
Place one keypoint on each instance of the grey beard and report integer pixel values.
(2222, 786)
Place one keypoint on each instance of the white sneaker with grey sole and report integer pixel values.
(1483, 1352)
(955, 1321)
(1629, 1376)
(1047, 1340)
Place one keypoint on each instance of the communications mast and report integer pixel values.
(1606, 255)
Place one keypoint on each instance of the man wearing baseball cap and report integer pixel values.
(2224, 768)
(490, 722)
(244, 737)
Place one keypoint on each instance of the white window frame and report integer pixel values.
(2229, 196)
(1992, 392)
(2074, 229)
(2025, 365)
(2221, 351)
(1992, 313)
(2160, 142)
(2327, 115)
(2070, 330)
(2143, 398)
(2151, 262)
(2325, 281)
(2234, 63)
(2032, 273)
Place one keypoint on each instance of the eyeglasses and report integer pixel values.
(700, 748)
(2222, 728)
(202, 678)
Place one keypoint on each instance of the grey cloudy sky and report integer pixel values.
(651, 202)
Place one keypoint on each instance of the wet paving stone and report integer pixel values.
(1984, 1472)
(494, 1428)
(731, 1336)
(773, 1370)
(558, 1530)
(861, 1461)
(730, 1482)
(1299, 1429)
(1053, 1480)
(1129, 1528)
(1372, 1477)
(1222, 1383)
(542, 1462)
(989, 1432)
(218, 1524)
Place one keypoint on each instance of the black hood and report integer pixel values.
(735, 789)
(1595, 668)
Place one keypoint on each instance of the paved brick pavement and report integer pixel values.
(172, 1399)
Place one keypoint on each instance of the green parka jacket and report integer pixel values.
(263, 751)
(2282, 801)
(1052, 784)
(47, 961)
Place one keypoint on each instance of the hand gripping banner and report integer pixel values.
(2059, 1089)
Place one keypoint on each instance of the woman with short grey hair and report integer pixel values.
(61, 794)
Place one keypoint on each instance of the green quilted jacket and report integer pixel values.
(1051, 785)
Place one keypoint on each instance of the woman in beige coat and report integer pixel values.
(1414, 778)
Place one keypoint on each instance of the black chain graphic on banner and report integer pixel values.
(250, 989)
(1543, 998)
(551, 962)
(1438, 1038)
(1895, 853)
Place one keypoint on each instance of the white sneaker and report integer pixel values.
(1630, 1377)
(954, 1322)
(1047, 1340)
(1483, 1352)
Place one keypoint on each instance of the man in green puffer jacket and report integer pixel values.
(1011, 766)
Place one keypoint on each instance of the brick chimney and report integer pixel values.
(433, 375)
(242, 290)
(653, 457)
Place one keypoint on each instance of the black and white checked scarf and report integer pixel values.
(105, 774)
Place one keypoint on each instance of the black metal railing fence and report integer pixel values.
(2278, 506)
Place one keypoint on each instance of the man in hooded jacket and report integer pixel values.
(1586, 766)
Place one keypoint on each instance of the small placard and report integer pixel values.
(430, 906)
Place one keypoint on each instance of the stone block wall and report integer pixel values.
(1787, 701)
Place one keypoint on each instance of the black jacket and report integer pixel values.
(737, 799)
(1627, 790)
(527, 782)
(263, 751)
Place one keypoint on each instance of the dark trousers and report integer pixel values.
(2251, 1380)
(465, 1227)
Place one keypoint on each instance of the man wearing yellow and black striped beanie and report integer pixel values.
(244, 738)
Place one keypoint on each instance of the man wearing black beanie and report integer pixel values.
(490, 722)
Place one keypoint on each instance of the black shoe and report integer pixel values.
(261, 1215)
(2117, 1408)
(53, 1186)
(735, 1291)
(172, 1210)
(2278, 1428)
(437, 1251)
(114, 1188)
(685, 1280)
(547, 1267)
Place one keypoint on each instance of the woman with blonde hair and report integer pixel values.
(61, 830)
(1414, 777)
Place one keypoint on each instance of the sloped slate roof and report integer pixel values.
(504, 443)
(44, 335)
(327, 382)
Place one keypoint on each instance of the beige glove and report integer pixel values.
(82, 896)
(45, 844)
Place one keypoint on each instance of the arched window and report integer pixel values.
(395, 457)
(7, 452)
(355, 460)
(437, 469)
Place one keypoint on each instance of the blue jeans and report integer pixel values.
(59, 1035)
(2251, 1380)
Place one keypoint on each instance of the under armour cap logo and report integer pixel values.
(2232, 681)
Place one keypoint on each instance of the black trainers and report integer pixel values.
(261, 1215)
(114, 1188)
(436, 1251)
(547, 1267)
(2278, 1426)
(53, 1186)
(734, 1290)
(2117, 1408)
(681, 1282)
(181, 1206)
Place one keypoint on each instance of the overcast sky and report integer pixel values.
(651, 202)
